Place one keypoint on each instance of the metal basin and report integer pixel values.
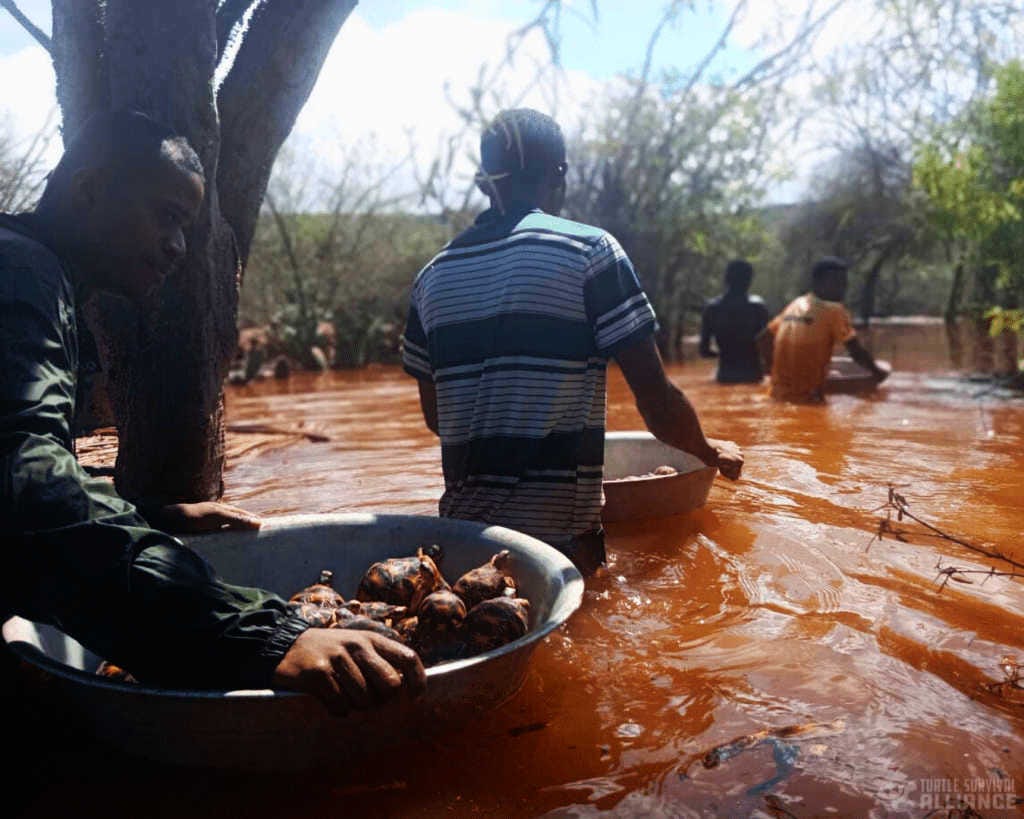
(275, 730)
(631, 494)
(846, 376)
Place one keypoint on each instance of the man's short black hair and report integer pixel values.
(738, 274)
(122, 140)
(523, 144)
(827, 265)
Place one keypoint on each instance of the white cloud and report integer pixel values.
(383, 87)
(29, 101)
(377, 88)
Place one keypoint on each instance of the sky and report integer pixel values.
(383, 86)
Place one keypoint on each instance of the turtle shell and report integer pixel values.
(495, 622)
(360, 623)
(438, 634)
(401, 581)
(433, 551)
(442, 610)
(320, 593)
(406, 629)
(317, 615)
(487, 581)
(374, 609)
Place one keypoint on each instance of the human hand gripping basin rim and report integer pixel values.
(631, 493)
(276, 730)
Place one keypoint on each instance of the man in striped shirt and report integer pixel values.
(509, 333)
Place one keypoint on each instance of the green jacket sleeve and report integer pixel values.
(75, 554)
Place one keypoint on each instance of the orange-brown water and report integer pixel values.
(763, 611)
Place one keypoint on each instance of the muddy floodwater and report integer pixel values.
(760, 657)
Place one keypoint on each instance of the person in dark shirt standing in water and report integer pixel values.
(734, 320)
(76, 555)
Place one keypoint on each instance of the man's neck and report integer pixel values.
(49, 229)
(512, 204)
(58, 233)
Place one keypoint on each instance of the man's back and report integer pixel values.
(806, 333)
(514, 322)
(734, 320)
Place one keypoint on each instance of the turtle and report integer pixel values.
(318, 615)
(406, 629)
(401, 581)
(487, 581)
(438, 630)
(385, 613)
(434, 552)
(494, 622)
(114, 672)
(359, 623)
(320, 593)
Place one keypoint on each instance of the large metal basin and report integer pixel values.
(631, 494)
(846, 376)
(280, 730)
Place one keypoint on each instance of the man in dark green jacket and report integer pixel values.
(74, 553)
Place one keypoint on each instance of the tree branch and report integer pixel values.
(27, 24)
(274, 72)
(809, 28)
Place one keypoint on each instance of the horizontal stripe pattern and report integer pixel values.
(514, 322)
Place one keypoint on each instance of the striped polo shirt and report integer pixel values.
(514, 321)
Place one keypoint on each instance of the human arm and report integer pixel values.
(81, 558)
(428, 404)
(416, 362)
(843, 332)
(706, 332)
(668, 413)
(196, 518)
(349, 669)
(860, 355)
(623, 323)
(765, 343)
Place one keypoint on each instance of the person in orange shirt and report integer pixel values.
(798, 343)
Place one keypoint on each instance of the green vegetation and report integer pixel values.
(918, 183)
(975, 192)
(351, 272)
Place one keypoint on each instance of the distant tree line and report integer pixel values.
(922, 190)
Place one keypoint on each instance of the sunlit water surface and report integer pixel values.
(753, 658)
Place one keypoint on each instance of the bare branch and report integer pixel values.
(20, 183)
(28, 25)
(702, 66)
(808, 30)
(274, 72)
(898, 503)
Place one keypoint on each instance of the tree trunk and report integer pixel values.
(956, 292)
(166, 369)
(869, 294)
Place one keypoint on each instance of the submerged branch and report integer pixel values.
(897, 504)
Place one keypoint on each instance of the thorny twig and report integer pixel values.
(1013, 672)
(948, 573)
(899, 505)
(1013, 677)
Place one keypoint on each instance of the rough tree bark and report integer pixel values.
(166, 370)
